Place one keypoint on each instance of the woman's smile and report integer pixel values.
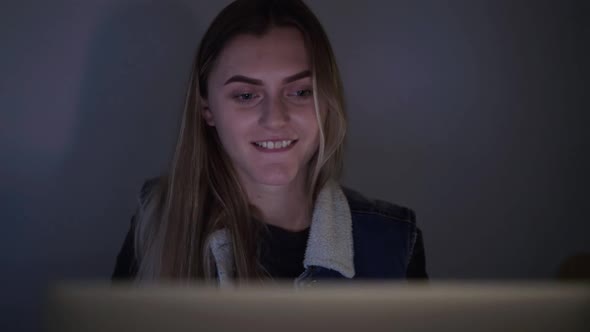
(274, 146)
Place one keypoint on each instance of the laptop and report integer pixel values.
(365, 307)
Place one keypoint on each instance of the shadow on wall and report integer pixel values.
(130, 105)
(132, 93)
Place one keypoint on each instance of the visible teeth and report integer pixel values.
(274, 145)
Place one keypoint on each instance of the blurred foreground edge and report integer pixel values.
(367, 307)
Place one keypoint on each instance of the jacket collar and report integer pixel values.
(330, 243)
(330, 236)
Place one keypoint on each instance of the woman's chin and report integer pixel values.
(276, 178)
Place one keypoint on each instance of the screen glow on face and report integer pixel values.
(261, 103)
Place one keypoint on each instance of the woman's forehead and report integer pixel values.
(281, 51)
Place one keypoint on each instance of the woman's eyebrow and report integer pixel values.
(243, 79)
(254, 81)
(298, 76)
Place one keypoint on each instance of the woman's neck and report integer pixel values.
(287, 206)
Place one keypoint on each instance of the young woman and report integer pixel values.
(252, 192)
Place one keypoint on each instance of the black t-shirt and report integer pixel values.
(282, 252)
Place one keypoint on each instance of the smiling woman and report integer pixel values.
(252, 192)
(259, 100)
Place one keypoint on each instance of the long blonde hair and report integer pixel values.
(201, 192)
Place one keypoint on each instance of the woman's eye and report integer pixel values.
(303, 93)
(244, 97)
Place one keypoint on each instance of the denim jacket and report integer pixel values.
(350, 237)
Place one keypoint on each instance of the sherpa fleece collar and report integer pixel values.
(329, 245)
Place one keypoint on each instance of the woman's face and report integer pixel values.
(260, 101)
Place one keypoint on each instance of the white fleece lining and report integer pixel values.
(330, 243)
(330, 236)
(221, 248)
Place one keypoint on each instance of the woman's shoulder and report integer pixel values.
(362, 204)
(383, 231)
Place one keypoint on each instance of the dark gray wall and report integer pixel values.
(471, 112)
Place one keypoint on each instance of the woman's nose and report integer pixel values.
(275, 113)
